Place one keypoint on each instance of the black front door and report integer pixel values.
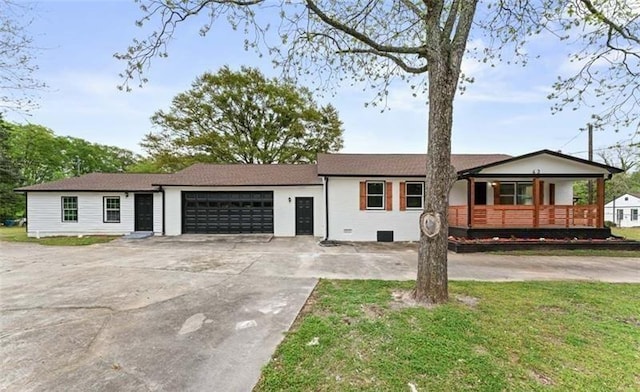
(143, 212)
(480, 196)
(304, 215)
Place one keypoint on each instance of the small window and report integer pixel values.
(375, 195)
(112, 209)
(634, 214)
(620, 215)
(414, 194)
(69, 208)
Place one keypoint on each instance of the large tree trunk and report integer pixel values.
(432, 278)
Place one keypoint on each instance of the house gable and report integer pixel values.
(543, 163)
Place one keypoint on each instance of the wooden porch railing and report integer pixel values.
(525, 216)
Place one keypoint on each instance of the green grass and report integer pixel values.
(530, 336)
(18, 234)
(571, 252)
(631, 233)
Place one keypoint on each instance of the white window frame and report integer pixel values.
(106, 209)
(383, 195)
(64, 208)
(407, 195)
(619, 215)
(634, 214)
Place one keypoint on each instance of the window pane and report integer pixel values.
(414, 189)
(507, 188)
(70, 215)
(375, 188)
(525, 193)
(634, 214)
(113, 203)
(414, 202)
(113, 216)
(506, 200)
(374, 202)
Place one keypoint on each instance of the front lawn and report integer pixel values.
(630, 233)
(571, 252)
(500, 336)
(18, 234)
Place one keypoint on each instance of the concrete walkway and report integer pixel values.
(197, 313)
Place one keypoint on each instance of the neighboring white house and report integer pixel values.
(624, 210)
(353, 197)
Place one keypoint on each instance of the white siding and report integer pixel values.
(458, 194)
(44, 214)
(348, 223)
(544, 164)
(283, 209)
(625, 203)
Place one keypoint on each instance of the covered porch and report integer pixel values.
(527, 207)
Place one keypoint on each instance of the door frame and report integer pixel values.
(297, 231)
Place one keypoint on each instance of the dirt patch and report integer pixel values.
(553, 309)
(540, 378)
(471, 302)
(404, 299)
(631, 321)
(306, 308)
(480, 350)
(372, 311)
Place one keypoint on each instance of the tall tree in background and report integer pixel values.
(243, 117)
(40, 155)
(18, 84)
(10, 202)
(376, 41)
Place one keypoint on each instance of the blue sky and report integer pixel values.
(504, 111)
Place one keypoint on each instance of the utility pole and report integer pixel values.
(590, 182)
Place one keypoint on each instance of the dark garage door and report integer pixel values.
(227, 212)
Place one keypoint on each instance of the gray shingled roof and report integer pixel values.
(101, 182)
(202, 174)
(395, 164)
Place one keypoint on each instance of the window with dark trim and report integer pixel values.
(512, 193)
(375, 195)
(619, 215)
(414, 194)
(634, 214)
(69, 208)
(111, 209)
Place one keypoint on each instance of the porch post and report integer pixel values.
(536, 202)
(600, 202)
(471, 200)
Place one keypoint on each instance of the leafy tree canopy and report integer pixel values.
(32, 154)
(242, 117)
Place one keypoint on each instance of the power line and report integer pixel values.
(570, 140)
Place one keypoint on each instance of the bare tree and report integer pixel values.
(18, 84)
(626, 157)
(421, 41)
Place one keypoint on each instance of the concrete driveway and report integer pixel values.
(196, 313)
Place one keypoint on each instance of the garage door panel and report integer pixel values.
(227, 212)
